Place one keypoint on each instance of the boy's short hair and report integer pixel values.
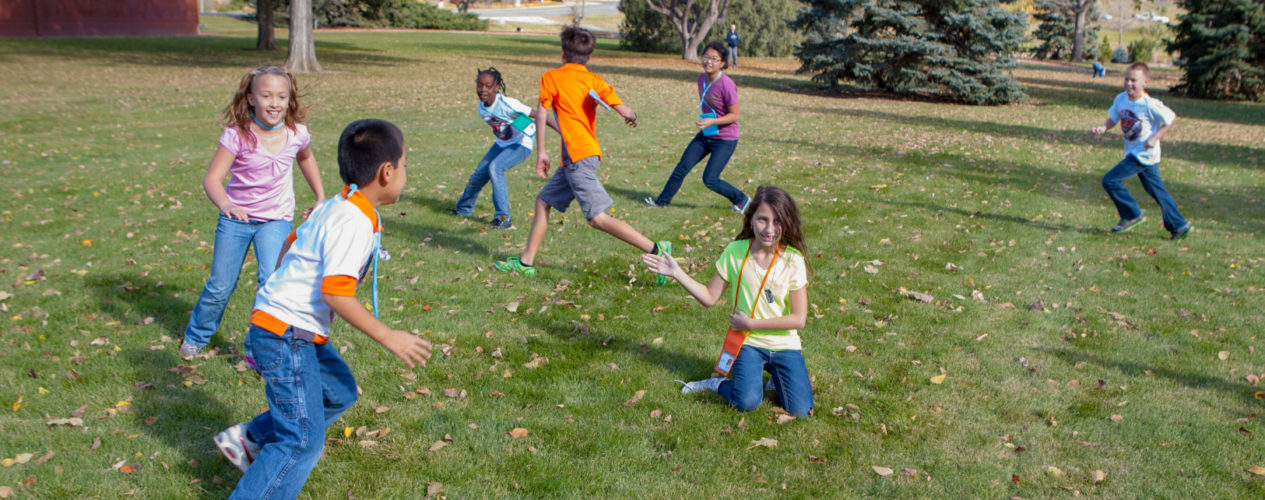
(577, 44)
(1146, 70)
(364, 146)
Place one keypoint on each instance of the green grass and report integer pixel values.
(1048, 329)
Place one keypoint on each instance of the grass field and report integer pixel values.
(1054, 359)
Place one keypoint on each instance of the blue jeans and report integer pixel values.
(309, 386)
(492, 167)
(720, 151)
(1128, 207)
(745, 388)
(1099, 70)
(232, 239)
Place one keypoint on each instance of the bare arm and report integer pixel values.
(409, 348)
(793, 321)
(666, 265)
(542, 157)
(630, 117)
(213, 184)
(1104, 127)
(730, 117)
(1155, 138)
(307, 165)
(535, 115)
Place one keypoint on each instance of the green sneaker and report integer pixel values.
(513, 264)
(665, 248)
(1127, 224)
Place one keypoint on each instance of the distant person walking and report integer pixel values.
(732, 40)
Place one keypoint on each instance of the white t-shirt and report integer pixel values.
(330, 253)
(1139, 119)
(500, 116)
(788, 273)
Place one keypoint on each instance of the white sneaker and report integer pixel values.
(238, 449)
(187, 349)
(711, 384)
(743, 207)
(769, 387)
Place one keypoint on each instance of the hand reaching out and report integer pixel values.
(408, 347)
(664, 265)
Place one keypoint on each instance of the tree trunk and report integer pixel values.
(302, 58)
(690, 21)
(267, 37)
(1078, 33)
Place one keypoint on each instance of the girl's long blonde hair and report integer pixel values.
(237, 113)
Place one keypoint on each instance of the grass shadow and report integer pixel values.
(1245, 393)
(192, 52)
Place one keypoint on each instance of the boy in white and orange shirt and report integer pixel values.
(309, 386)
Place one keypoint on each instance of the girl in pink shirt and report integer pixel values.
(263, 139)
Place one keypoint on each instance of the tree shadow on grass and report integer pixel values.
(672, 74)
(603, 336)
(188, 415)
(1191, 379)
(195, 52)
(1026, 221)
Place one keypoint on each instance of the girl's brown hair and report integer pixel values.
(237, 113)
(786, 212)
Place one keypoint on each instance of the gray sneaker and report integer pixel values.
(501, 223)
(1126, 224)
(650, 201)
(711, 384)
(1181, 233)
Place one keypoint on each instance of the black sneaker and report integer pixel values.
(1126, 224)
(1181, 233)
(502, 223)
(454, 211)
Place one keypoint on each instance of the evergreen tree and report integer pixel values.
(1057, 29)
(957, 49)
(1222, 47)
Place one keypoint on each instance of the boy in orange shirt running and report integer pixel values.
(574, 94)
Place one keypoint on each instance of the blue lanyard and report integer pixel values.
(377, 249)
(702, 96)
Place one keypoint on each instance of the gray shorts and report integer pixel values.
(577, 181)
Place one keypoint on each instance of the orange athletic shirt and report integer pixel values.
(566, 91)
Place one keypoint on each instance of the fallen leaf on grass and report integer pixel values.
(438, 445)
(636, 398)
(72, 421)
(881, 471)
(128, 469)
(782, 419)
(1256, 469)
(938, 379)
(434, 488)
(1115, 417)
(537, 361)
(455, 393)
(512, 307)
(1223, 355)
(765, 442)
(1055, 471)
(6, 492)
(518, 432)
(1098, 476)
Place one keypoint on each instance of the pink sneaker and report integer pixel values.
(236, 447)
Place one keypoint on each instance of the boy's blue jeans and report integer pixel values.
(745, 387)
(309, 386)
(232, 239)
(492, 168)
(720, 151)
(1128, 207)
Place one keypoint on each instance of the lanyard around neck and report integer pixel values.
(738, 285)
(377, 247)
(702, 96)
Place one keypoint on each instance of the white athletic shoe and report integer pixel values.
(711, 384)
(769, 387)
(236, 447)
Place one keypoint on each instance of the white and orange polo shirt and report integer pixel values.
(329, 253)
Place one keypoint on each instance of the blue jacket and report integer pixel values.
(732, 38)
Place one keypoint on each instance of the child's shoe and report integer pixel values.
(1181, 233)
(187, 349)
(742, 208)
(236, 447)
(458, 213)
(711, 384)
(665, 248)
(650, 201)
(513, 264)
(1127, 224)
(502, 223)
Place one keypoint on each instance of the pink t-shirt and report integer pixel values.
(721, 95)
(260, 182)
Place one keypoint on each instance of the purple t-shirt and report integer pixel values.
(720, 96)
(261, 182)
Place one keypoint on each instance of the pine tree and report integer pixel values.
(956, 49)
(1222, 47)
(1057, 28)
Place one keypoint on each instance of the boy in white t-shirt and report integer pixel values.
(309, 386)
(1143, 120)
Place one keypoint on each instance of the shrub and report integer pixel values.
(1119, 56)
(1142, 49)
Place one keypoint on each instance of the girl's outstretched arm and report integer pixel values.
(307, 165)
(666, 265)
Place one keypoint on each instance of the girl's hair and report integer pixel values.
(496, 76)
(721, 50)
(784, 209)
(237, 113)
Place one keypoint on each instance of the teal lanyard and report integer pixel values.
(377, 250)
(702, 96)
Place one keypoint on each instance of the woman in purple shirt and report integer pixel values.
(717, 136)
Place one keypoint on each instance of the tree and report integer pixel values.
(956, 49)
(762, 25)
(1064, 28)
(1222, 47)
(266, 39)
(690, 20)
(302, 56)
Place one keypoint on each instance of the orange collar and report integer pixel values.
(360, 201)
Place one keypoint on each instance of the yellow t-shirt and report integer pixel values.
(566, 91)
(788, 273)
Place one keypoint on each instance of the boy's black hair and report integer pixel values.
(577, 44)
(496, 76)
(365, 145)
(721, 50)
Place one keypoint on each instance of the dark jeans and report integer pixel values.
(720, 151)
(1128, 207)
